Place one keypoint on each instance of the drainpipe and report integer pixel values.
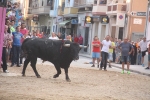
(147, 19)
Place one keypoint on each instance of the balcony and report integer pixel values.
(83, 3)
(113, 9)
(69, 11)
(99, 9)
(53, 13)
(60, 12)
(41, 10)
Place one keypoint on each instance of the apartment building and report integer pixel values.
(38, 15)
(127, 18)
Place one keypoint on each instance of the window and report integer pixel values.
(42, 2)
(103, 1)
(95, 1)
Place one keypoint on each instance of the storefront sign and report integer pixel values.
(88, 20)
(137, 21)
(141, 13)
(96, 18)
(74, 21)
(104, 19)
(59, 19)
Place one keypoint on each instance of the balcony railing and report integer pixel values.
(116, 8)
(99, 9)
(83, 2)
(70, 10)
(41, 10)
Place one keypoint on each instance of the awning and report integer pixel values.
(64, 23)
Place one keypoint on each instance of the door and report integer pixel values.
(86, 37)
(113, 31)
(120, 36)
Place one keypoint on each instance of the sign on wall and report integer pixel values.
(137, 21)
(120, 19)
(141, 13)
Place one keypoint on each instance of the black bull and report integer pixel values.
(53, 51)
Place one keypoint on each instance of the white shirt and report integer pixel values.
(54, 38)
(106, 45)
(143, 45)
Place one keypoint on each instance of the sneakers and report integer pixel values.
(128, 72)
(147, 68)
(93, 66)
(122, 72)
(143, 65)
(12, 65)
(6, 71)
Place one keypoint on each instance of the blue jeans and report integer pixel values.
(16, 53)
(139, 58)
(104, 59)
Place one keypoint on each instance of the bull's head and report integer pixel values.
(75, 48)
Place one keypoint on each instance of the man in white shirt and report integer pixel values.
(54, 37)
(143, 45)
(106, 44)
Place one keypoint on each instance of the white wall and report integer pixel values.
(69, 4)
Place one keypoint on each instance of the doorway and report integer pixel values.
(120, 36)
(113, 31)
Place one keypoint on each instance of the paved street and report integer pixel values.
(115, 67)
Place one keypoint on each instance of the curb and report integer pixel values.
(138, 72)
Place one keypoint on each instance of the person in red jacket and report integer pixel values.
(96, 51)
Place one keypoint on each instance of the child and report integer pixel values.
(148, 57)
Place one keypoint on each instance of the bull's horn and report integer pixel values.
(82, 46)
(67, 45)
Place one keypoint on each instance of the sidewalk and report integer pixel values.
(115, 67)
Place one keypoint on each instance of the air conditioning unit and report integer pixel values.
(86, 8)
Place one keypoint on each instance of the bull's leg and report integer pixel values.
(26, 62)
(58, 71)
(33, 64)
(66, 73)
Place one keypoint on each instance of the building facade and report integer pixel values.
(38, 15)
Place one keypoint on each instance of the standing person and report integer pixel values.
(111, 52)
(17, 36)
(54, 37)
(80, 39)
(34, 35)
(76, 38)
(132, 55)
(118, 51)
(40, 35)
(96, 51)
(12, 29)
(24, 32)
(59, 36)
(106, 44)
(126, 50)
(6, 40)
(148, 58)
(143, 46)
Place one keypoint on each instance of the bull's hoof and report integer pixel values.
(68, 80)
(38, 76)
(55, 76)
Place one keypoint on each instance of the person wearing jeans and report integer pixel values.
(106, 44)
(7, 39)
(17, 36)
